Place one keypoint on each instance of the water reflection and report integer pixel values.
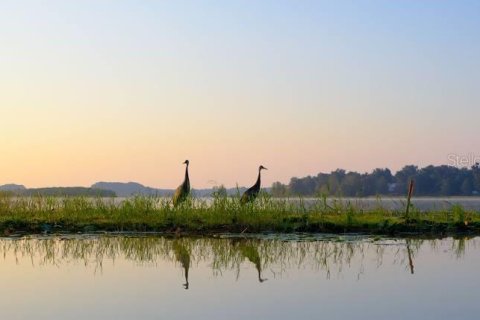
(249, 251)
(182, 255)
(410, 257)
(277, 255)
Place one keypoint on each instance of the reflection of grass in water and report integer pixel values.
(222, 213)
(277, 256)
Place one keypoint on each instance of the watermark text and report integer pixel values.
(463, 160)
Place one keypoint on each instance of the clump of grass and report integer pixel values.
(458, 214)
(349, 214)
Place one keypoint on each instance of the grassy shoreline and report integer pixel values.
(222, 215)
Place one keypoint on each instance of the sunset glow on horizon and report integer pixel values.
(127, 90)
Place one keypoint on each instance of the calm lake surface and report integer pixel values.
(371, 203)
(422, 204)
(228, 277)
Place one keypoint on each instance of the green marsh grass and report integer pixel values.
(221, 214)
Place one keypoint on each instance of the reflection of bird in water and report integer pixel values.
(251, 253)
(253, 191)
(410, 259)
(184, 189)
(183, 256)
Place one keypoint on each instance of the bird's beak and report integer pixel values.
(265, 168)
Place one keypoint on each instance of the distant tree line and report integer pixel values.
(429, 181)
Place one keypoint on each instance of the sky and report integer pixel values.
(127, 90)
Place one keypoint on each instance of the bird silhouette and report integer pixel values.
(252, 192)
(183, 190)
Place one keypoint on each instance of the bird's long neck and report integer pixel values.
(257, 184)
(187, 179)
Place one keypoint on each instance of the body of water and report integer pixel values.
(396, 203)
(372, 203)
(231, 277)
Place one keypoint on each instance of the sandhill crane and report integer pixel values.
(253, 191)
(183, 190)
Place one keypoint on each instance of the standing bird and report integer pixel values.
(184, 189)
(252, 192)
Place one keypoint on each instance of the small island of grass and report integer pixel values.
(221, 214)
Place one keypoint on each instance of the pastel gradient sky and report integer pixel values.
(127, 90)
